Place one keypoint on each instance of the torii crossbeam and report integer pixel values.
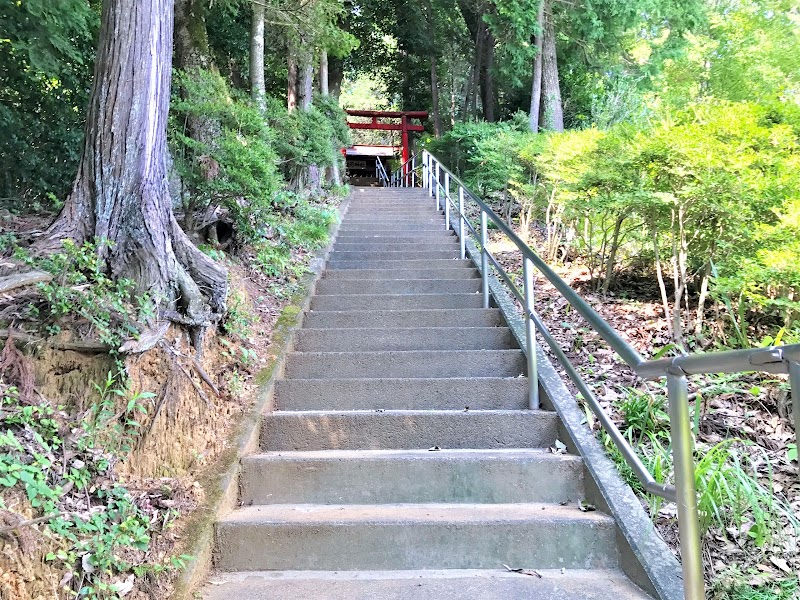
(379, 121)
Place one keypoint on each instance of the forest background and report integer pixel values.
(649, 149)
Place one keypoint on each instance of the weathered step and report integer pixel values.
(390, 229)
(397, 476)
(407, 429)
(396, 274)
(395, 302)
(339, 255)
(436, 263)
(414, 536)
(394, 237)
(450, 244)
(410, 364)
(406, 338)
(465, 317)
(426, 210)
(458, 393)
(449, 584)
(328, 287)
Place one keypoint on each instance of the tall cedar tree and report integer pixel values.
(120, 193)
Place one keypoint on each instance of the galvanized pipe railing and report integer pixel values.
(406, 174)
(382, 174)
(782, 359)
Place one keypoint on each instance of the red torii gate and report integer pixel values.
(378, 122)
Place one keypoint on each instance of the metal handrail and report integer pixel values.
(402, 176)
(382, 174)
(784, 359)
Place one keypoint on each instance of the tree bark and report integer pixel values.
(487, 76)
(323, 73)
(335, 76)
(191, 35)
(536, 87)
(258, 88)
(437, 118)
(291, 88)
(551, 115)
(307, 86)
(121, 191)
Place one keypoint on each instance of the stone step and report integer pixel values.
(335, 287)
(395, 301)
(427, 210)
(400, 274)
(411, 364)
(396, 237)
(435, 263)
(340, 255)
(390, 229)
(414, 536)
(457, 393)
(465, 317)
(449, 244)
(407, 429)
(406, 338)
(449, 584)
(413, 476)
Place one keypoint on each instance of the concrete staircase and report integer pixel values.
(401, 461)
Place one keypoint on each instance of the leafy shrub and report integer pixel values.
(223, 151)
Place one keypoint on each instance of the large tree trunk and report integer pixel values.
(437, 118)
(552, 113)
(257, 87)
(536, 87)
(334, 174)
(335, 76)
(291, 87)
(487, 76)
(192, 49)
(120, 193)
(323, 73)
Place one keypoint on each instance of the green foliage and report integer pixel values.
(298, 228)
(223, 151)
(46, 56)
(82, 288)
(98, 546)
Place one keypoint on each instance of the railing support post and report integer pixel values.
(414, 171)
(794, 379)
(530, 335)
(447, 201)
(462, 242)
(683, 457)
(424, 169)
(484, 261)
(438, 189)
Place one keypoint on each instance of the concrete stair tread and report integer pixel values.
(427, 317)
(449, 584)
(442, 393)
(415, 429)
(445, 454)
(345, 514)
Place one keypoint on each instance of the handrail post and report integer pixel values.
(794, 380)
(683, 458)
(424, 169)
(484, 261)
(438, 188)
(414, 171)
(530, 335)
(462, 242)
(430, 175)
(447, 201)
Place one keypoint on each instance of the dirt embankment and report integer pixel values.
(197, 399)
